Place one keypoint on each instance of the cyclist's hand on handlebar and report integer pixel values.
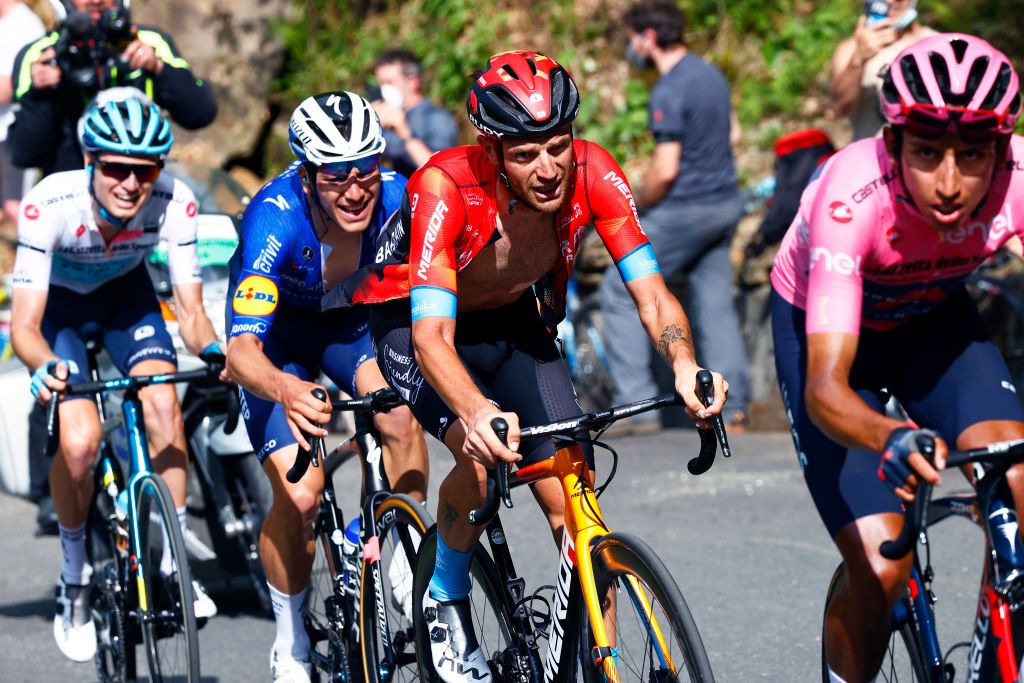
(687, 388)
(305, 413)
(48, 378)
(483, 445)
(214, 355)
(903, 466)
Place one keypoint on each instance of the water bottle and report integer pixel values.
(876, 11)
(350, 556)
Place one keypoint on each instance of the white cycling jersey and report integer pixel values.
(59, 242)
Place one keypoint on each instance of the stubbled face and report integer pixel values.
(947, 178)
(349, 202)
(122, 184)
(538, 169)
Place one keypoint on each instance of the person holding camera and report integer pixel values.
(95, 47)
(883, 31)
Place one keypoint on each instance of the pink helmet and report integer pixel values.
(952, 73)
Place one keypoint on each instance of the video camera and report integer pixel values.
(86, 51)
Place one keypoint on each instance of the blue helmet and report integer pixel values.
(130, 126)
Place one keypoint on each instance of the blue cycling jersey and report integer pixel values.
(279, 259)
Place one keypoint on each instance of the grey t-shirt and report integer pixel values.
(435, 127)
(690, 104)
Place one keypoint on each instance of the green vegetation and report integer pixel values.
(775, 52)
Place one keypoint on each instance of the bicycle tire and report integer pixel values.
(898, 665)
(401, 523)
(592, 378)
(616, 557)
(107, 603)
(486, 598)
(166, 605)
(331, 647)
(252, 500)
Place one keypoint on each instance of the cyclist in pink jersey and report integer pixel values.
(869, 294)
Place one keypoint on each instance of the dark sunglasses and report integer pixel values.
(973, 125)
(118, 171)
(340, 170)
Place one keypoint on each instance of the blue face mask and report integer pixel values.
(637, 60)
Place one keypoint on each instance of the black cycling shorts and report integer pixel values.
(509, 354)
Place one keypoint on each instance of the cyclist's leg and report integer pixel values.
(856, 507)
(348, 359)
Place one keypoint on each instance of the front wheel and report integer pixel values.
(651, 633)
(386, 588)
(902, 661)
(164, 583)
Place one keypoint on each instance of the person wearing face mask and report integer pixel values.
(689, 203)
(413, 127)
(79, 275)
(883, 31)
(308, 228)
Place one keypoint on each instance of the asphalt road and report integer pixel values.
(743, 542)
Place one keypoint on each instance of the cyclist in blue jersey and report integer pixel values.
(306, 230)
(79, 275)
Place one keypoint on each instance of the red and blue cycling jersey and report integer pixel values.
(859, 254)
(450, 216)
(279, 260)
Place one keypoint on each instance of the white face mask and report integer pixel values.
(392, 95)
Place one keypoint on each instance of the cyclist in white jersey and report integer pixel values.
(79, 275)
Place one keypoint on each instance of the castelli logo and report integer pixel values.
(840, 212)
(191, 209)
(893, 235)
(31, 212)
(80, 230)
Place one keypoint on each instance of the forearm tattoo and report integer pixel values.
(448, 516)
(669, 336)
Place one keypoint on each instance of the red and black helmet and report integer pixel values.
(522, 94)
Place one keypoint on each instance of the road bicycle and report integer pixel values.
(614, 612)
(358, 609)
(994, 652)
(131, 524)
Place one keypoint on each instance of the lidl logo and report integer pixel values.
(255, 295)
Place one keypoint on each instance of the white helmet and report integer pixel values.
(333, 127)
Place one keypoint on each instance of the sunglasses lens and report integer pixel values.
(340, 170)
(120, 172)
(927, 122)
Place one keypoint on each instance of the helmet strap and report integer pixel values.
(118, 223)
(513, 197)
(314, 194)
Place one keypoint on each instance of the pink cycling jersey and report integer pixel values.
(859, 254)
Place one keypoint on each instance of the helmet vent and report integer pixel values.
(999, 88)
(912, 77)
(974, 78)
(959, 47)
(315, 128)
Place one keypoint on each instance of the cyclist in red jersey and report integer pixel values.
(869, 293)
(469, 282)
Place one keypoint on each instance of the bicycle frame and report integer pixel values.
(993, 654)
(575, 581)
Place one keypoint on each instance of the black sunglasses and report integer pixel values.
(116, 170)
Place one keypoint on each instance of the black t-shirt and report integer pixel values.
(690, 104)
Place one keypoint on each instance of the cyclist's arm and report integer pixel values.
(196, 329)
(27, 308)
(37, 238)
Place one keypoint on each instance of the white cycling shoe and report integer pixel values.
(73, 628)
(289, 670)
(202, 603)
(454, 650)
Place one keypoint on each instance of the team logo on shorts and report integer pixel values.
(31, 212)
(840, 212)
(255, 295)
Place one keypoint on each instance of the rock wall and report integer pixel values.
(229, 44)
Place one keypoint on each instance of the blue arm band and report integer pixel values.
(432, 302)
(638, 263)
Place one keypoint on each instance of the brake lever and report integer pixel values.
(52, 420)
(303, 457)
(707, 397)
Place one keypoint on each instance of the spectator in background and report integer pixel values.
(689, 206)
(49, 101)
(882, 32)
(18, 25)
(413, 127)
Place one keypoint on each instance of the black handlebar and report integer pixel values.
(498, 484)
(380, 401)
